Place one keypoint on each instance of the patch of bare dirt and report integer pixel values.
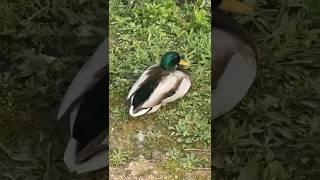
(139, 170)
(148, 170)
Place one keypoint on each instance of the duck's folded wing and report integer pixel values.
(142, 79)
(233, 84)
(166, 88)
(86, 78)
(181, 87)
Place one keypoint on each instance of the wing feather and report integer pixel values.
(167, 88)
(141, 80)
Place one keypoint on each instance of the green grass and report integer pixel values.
(274, 132)
(139, 34)
(117, 157)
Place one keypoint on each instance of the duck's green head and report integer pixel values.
(170, 60)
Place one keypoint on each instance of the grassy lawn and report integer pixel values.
(139, 34)
(274, 132)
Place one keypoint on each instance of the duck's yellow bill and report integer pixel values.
(184, 62)
(235, 6)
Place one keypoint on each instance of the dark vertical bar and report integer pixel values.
(53, 88)
(271, 130)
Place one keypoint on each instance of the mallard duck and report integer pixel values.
(158, 85)
(234, 56)
(84, 107)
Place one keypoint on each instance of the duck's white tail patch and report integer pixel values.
(98, 161)
(139, 113)
(70, 155)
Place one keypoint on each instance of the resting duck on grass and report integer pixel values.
(234, 57)
(158, 85)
